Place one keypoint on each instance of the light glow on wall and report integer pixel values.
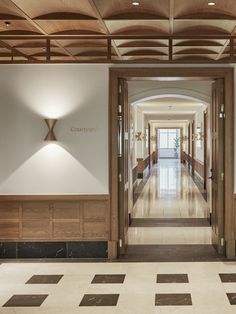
(50, 169)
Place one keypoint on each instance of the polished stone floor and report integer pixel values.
(124, 288)
(170, 192)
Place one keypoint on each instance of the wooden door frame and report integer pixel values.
(200, 73)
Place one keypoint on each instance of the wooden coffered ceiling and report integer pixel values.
(155, 31)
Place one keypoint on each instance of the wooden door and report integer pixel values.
(217, 170)
(189, 142)
(149, 146)
(123, 164)
(193, 147)
(205, 149)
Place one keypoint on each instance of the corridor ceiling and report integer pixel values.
(117, 31)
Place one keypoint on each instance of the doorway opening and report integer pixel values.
(173, 152)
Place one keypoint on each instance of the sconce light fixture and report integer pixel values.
(50, 136)
(138, 136)
(153, 138)
(184, 138)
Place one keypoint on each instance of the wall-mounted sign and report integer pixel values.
(82, 130)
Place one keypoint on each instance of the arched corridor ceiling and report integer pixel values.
(169, 31)
(180, 102)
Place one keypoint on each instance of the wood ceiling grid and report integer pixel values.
(164, 18)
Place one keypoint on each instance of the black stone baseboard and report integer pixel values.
(79, 249)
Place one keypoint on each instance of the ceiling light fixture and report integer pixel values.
(7, 24)
(135, 3)
(211, 3)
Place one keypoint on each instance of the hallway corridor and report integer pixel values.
(170, 195)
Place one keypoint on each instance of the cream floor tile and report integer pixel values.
(137, 293)
(169, 235)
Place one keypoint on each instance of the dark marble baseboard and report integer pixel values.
(79, 249)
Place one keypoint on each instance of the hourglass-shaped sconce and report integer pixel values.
(50, 136)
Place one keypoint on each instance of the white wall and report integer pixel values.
(75, 94)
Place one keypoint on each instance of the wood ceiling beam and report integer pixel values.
(36, 25)
(99, 17)
(194, 61)
(15, 51)
(225, 44)
(171, 16)
(116, 37)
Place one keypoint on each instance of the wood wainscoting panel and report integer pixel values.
(199, 168)
(42, 219)
(37, 229)
(35, 210)
(66, 217)
(9, 230)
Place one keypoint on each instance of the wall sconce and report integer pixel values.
(153, 138)
(184, 138)
(144, 137)
(199, 136)
(50, 136)
(138, 136)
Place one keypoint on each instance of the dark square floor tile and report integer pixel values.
(108, 279)
(173, 299)
(232, 298)
(25, 300)
(44, 279)
(172, 278)
(228, 277)
(99, 300)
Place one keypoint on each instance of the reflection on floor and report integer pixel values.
(170, 193)
(122, 288)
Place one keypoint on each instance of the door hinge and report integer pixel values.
(120, 177)
(222, 115)
(222, 241)
(222, 111)
(120, 109)
(120, 89)
(120, 243)
(222, 176)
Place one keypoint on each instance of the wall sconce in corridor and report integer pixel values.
(50, 136)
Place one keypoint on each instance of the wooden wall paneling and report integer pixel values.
(55, 220)
(36, 220)
(66, 220)
(9, 220)
(199, 168)
(95, 220)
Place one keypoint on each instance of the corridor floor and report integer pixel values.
(170, 192)
(124, 288)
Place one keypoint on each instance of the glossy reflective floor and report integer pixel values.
(170, 192)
